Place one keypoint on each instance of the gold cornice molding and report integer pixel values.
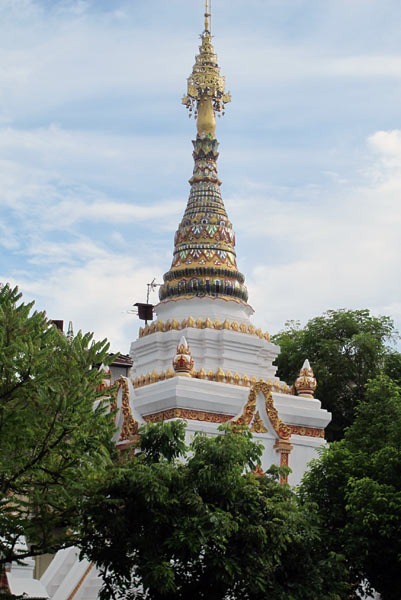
(219, 376)
(251, 415)
(211, 417)
(161, 326)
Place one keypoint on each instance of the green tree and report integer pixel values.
(175, 522)
(346, 348)
(54, 442)
(357, 485)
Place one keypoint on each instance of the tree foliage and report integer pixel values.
(53, 442)
(180, 522)
(346, 348)
(357, 486)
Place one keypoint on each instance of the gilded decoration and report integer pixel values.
(220, 376)
(183, 363)
(258, 425)
(307, 431)
(130, 425)
(259, 471)
(206, 92)
(306, 383)
(160, 327)
(283, 447)
(282, 430)
(191, 415)
(248, 418)
(204, 259)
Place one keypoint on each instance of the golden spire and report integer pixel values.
(207, 15)
(206, 93)
(204, 261)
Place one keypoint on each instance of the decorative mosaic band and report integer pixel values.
(203, 272)
(184, 413)
(200, 323)
(306, 431)
(204, 259)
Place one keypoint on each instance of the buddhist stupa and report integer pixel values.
(202, 359)
(204, 301)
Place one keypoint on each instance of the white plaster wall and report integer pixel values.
(304, 450)
(214, 308)
(210, 348)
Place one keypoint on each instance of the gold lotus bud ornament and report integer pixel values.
(306, 383)
(206, 93)
(183, 363)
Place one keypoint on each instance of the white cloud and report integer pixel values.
(342, 252)
(89, 145)
(95, 296)
(68, 212)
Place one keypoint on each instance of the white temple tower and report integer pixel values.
(204, 299)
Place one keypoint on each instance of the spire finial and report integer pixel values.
(306, 383)
(183, 363)
(206, 93)
(207, 15)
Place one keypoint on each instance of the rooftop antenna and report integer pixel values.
(145, 310)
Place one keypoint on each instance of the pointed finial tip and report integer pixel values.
(207, 16)
(183, 362)
(306, 383)
(183, 342)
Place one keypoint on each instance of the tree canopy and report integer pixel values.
(54, 441)
(346, 348)
(357, 485)
(179, 522)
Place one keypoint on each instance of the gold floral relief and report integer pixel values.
(258, 425)
(130, 425)
(191, 415)
(208, 323)
(282, 430)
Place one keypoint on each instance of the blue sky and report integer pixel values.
(95, 152)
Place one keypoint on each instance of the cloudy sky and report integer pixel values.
(95, 152)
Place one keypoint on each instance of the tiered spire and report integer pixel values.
(204, 261)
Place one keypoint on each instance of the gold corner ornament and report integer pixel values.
(183, 362)
(306, 383)
(206, 94)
